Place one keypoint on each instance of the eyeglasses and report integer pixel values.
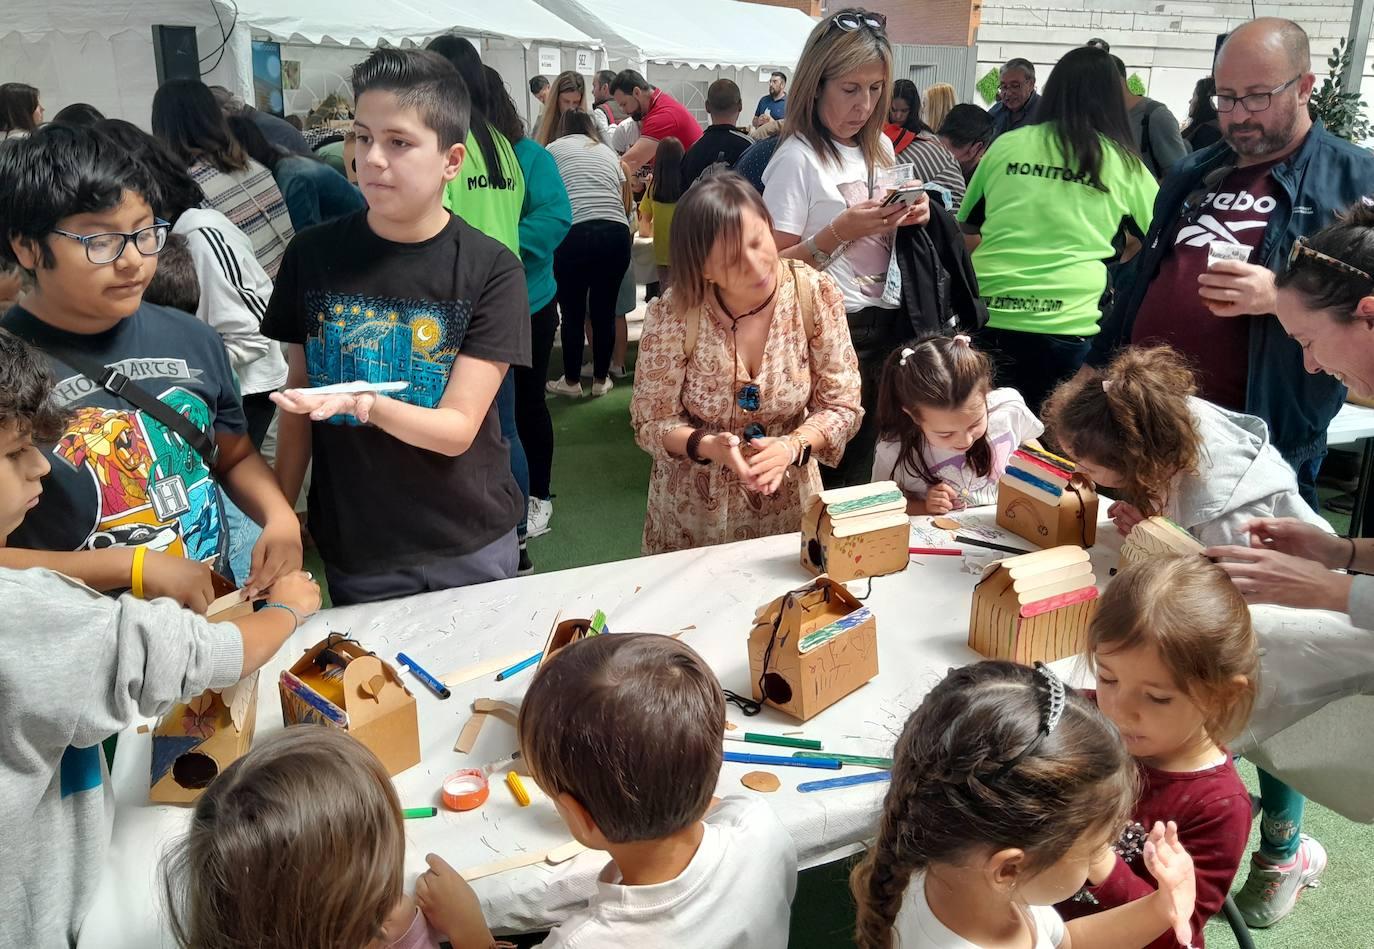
(108, 246)
(849, 22)
(1301, 249)
(1255, 102)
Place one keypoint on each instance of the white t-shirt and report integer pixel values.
(735, 894)
(804, 193)
(917, 928)
(1011, 424)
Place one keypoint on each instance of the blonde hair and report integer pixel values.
(1188, 609)
(936, 103)
(549, 122)
(830, 53)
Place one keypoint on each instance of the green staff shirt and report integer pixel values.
(1047, 234)
(489, 202)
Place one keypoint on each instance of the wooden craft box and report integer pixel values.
(567, 631)
(1155, 537)
(1035, 607)
(369, 702)
(1041, 499)
(811, 647)
(850, 533)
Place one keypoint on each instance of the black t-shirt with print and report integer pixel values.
(718, 143)
(120, 478)
(368, 309)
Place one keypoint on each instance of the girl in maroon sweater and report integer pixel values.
(1177, 671)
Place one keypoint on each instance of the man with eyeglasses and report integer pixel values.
(1275, 176)
(1018, 98)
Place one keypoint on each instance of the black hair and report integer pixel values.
(248, 135)
(1117, 61)
(504, 116)
(1084, 102)
(189, 120)
(966, 124)
(1201, 110)
(723, 96)
(780, 74)
(18, 103)
(174, 283)
(423, 81)
(463, 55)
(628, 80)
(1324, 286)
(57, 172)
(78, 113)
(1099, 43)
(604, 78)
(174, 190)
(667, 182)
(906, 90)
(577, 122)
(537, 85)
(26, 385)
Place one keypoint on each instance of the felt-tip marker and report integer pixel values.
(435, 686)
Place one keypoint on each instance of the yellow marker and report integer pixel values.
(517, 787)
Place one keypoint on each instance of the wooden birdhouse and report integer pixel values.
(566, 631)
(340, 684)
(1035, 607)
(1041, 499)
(811, 647)
(856, 532)
(1155, 537)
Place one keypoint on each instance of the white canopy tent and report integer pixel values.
(102, 53)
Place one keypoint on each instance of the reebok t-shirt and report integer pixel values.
(369, 309)
(1047, 234)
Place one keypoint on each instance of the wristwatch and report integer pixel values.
(818, 257)
(803, 450)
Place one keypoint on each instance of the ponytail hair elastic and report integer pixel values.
(963, 339)
(907, 352)
(1106, 385)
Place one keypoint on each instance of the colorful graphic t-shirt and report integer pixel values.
(1047, 234)
(368, 309)
(1011, 424)
(119, 477)
(1235, 212)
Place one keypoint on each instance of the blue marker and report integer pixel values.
(848, 781)
(437, 687)
(742, 757)
(520, 666)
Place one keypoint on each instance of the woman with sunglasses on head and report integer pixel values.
(745, 379)
(824, 188)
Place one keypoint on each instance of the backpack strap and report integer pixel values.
(802, 286)
(689, 338)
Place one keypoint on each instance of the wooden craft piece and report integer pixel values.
(198, 739)
(552, 856)
(761, 781)
(488, 667)
(496, 707)
(849, 533)
(1041, 498)
(811, 647)
(467, 738)
(1158, 536)
(945, 523)
(1034, 607)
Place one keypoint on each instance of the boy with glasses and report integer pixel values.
(155, 423)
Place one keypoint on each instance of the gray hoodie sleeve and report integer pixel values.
(1361, 606)
(1166, 141)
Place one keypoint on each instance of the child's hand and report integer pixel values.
(297, 590)
(1172, 869)
(321, 407)
(186, 581)
(1124, 516)
(941, 499)
(277, 553)
(451, 906)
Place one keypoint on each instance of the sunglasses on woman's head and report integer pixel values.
(1302, 250)
(849, 22)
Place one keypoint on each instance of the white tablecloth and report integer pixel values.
(710, 595)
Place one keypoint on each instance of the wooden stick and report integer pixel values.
(496, 706)
(487, 667)
(468, 736)
(554, 855)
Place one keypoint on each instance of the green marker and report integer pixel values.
(784, 740)
(415, 812)
(864, 760)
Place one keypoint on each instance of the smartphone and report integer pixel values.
(906, 196)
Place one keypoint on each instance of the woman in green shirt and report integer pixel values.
(1050, 206)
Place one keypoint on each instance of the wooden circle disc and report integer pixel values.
(945, 523)
(761, 781)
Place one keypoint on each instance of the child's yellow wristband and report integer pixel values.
(136, 581)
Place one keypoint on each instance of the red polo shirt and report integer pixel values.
(668, 118)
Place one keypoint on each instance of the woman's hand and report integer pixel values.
(919, 212)
(769, 463)
(868, 218)
(1172, 869)
(1267, 576)
(724, 449)
(941, 498)
(322, 407)
(1288, 535)
(1124, 516)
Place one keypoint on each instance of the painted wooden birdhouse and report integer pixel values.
(811, 647)
(1035, 607)
(863, 531)
(1155, 537)
(1041, 499)
(340, 684)
(198, 739)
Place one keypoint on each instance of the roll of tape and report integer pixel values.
(465, 790)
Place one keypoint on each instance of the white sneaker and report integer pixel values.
(586, 370)
(601, 388)
(537, 517)
(563, 387)
(618, 372)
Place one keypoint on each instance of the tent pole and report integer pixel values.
(1357, 41)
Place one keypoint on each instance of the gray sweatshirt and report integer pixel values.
(1240, 477)
(78, 668)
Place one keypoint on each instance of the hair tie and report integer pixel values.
(906, 353)
(962, 339)
(1056, 700)
(1106, 385)
(1367, 201)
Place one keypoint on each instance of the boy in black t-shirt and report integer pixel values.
(411, 491)
(131, 501)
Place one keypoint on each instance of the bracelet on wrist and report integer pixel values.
(694, 446)
(136, 574)
(1350, 563)
(839, 241)
(295, 617)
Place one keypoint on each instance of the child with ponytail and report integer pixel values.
(944, 433)
(1138, 429)
(1005, 786)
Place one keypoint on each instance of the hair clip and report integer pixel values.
(1106, 385)
(963, 339)
(1057, 698)
(906, 353)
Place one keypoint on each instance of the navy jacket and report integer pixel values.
(1322, 178)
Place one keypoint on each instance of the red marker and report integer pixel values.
(936, 551)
